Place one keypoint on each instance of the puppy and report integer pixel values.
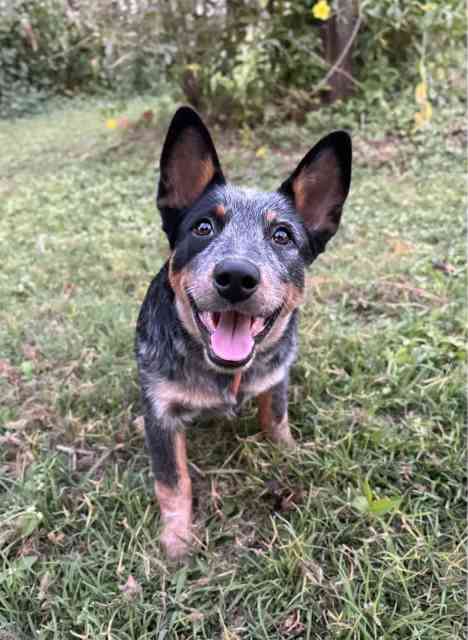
(218, 325)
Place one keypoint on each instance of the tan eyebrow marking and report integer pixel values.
(271, 216)
(219, 211)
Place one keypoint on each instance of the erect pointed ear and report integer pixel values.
(189, 162)
(319, 187)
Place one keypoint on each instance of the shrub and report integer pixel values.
(244, 62)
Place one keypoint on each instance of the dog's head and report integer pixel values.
(238, 256)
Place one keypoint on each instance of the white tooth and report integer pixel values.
(206, 319)
(257, 326)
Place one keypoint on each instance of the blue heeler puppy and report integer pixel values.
(218, 325)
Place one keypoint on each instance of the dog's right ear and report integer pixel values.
(319, 187)
(189, 164)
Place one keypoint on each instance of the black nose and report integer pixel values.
(236, 280)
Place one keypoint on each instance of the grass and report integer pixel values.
(357, 535)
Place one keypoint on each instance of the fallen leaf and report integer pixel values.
(10, 440)
(131, 589)
(16, 425)
(445, 267)
(68, 289)
(123, 122)
(312, 571)
(20, 566)
(292, 625)
(30, 352)
(44, 587)
(27, 369)
(316, 281)
(56, 538)
(9, 372)
(196, 616)
(401, 248)
(384, 505)
(29, 521)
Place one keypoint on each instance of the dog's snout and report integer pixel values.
(236, 280)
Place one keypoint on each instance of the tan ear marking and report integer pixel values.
(319, 194)
(189, 171)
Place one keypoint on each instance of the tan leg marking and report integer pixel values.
(175, 504)
(276, 430)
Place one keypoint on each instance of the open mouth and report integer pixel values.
(232, 336)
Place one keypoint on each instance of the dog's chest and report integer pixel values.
(194, 398)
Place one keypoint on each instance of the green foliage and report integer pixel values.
(243, 62)
(48, 48)
(398, 37)
(265, 62)
(43, 51)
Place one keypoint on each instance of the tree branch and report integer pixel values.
(336, 66)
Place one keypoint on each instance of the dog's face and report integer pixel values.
(238, 256)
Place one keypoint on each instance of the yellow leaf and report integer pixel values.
(261, 152)
(418, 120)
(421, 93)
(424, 116)
(111, 123)
(427, 111)
(321, 10)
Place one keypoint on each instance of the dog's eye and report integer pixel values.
(282, 236)
(203, 228)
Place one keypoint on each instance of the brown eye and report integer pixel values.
(281, 236)
(203, 228)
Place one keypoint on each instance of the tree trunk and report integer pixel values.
(336, 34)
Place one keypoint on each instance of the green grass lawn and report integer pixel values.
(359, 534)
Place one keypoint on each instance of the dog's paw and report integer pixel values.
(281, 434)
(285, 440)
(176, 542)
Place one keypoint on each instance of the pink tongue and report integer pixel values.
(232, 339)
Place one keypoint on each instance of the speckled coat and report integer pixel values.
(261, 243)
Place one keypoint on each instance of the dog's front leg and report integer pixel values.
(273, 414)
(172, 486)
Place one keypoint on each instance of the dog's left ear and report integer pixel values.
(319, 187)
